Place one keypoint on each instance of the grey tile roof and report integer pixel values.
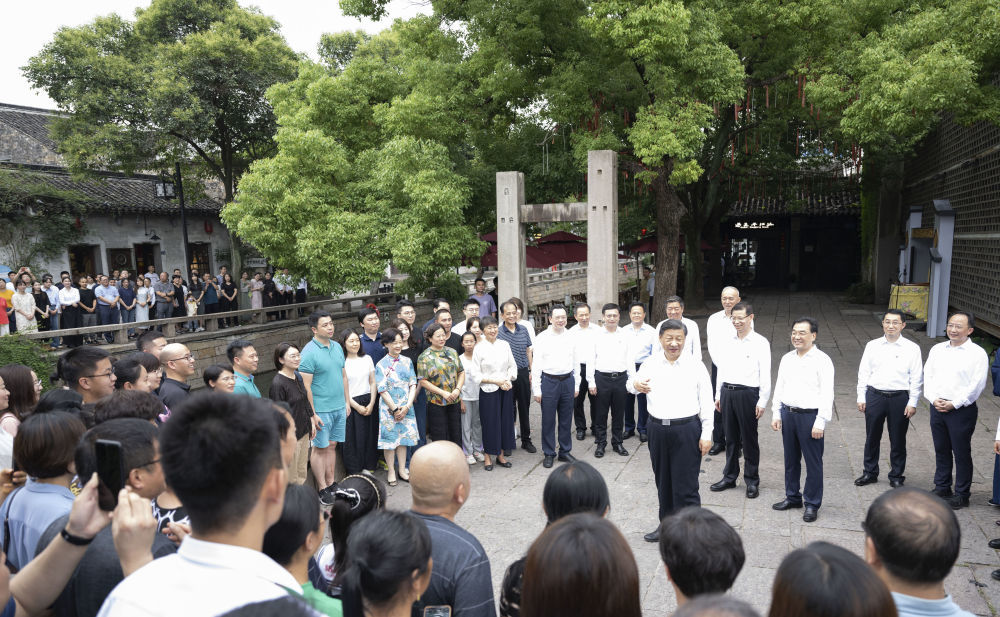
(31, 121)
(110, 193)
(805, 203)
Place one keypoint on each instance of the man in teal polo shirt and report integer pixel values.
(322, 369)
(243, 357)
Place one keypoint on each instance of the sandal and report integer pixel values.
(392, 479)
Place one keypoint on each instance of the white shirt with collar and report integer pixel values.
(677, 390)
(611, 355)
(553, 354)
(583, 346)
(718, 330)
(202, 579)
(746, 362)
(692, 340)
(805, 381)
(891, 366)
(493, 361)
(68, 297)
(642, 341)
(956, 373)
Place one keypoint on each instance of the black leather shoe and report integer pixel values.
(488, 467)
(581, 434)
(866, 478)
(716, 448)
(943, 493)
(628, 434)
(599, 452)
(566, 457)
(995, 574)
(620, 449)
(787, 505)
(957, 502)
(722, 485)
(894, 483)
(643, 437)
(654, 536)
(527, 445)
(995, 543)
(753, 491)
(505, 464)
(506, 452)
(548, 461)
(809, 515)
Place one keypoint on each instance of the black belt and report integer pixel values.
(734, 386)
(888, 393)
(562, 377)
(611, 375)
(800, 409)
(673, 421)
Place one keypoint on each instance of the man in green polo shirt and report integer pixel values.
(322, 369)
(243, 357)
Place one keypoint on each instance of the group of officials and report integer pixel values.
(685, 413)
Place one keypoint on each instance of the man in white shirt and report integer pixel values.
(889, 379)
(719, 329)
(642, 341)
(608, 374)
(679, 396)
(218, 567)
(741, 393)
(675, 310)
(469, 310)
(802, 405)
(954, 377)
(583, 347)
(555, 383)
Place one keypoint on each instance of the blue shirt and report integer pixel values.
(909, 606)
(31, 509)
(326, 364)
(486, 304)
(373, 347)
(211, 297)
(519, 342)
(245, 385)
(108, 293)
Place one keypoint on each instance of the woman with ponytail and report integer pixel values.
(353, 498)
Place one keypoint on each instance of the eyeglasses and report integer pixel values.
(38, 382)
(188, 358)
(152, 462)
(894, 322)
(108, 374)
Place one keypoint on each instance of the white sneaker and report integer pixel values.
(479, 456)
(200, 329)
(470, 460)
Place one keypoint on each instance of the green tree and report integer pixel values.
(37, 222)
(184, 81)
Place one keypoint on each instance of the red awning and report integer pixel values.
(535, 257)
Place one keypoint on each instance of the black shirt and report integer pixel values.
(87, 299)
(293, 392)
(173, 392)
(455, 342)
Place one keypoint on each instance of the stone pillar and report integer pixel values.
(940, 284)
(602, 228)
(510, 236)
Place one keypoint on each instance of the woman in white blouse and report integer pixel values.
(493, 366)
(69, 300)
(144, 298)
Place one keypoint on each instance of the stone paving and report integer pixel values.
(504, 509)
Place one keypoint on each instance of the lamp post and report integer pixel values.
(166, 190)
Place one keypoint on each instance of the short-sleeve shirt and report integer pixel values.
(519, 342)
(159, 287)
(245, 385)
(442, 369)
(486, 305)
(326, 364)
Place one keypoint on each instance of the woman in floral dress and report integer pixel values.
(396, 382)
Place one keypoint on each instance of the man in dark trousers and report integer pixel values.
(681, 415)
(517, 337)
(608, 374)
(555, 383)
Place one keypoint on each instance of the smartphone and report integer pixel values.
(13, 465)
(442, 610)
(110, 473)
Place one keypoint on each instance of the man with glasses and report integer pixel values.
(889, 380)
(954, 377)
(178, 366)
(87, 370)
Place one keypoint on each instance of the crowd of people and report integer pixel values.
(30, 304)
(215, 514)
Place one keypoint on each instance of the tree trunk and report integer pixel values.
(694, 272)
(668, 227)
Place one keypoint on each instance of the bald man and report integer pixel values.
(719, 330)
(178, 365)
(439, 479)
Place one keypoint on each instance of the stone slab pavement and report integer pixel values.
(504, 510)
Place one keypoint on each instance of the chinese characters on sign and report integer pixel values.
(754, 225)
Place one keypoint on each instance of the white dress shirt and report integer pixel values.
(69, 297)
(583, 346)
(891, 366)
(677, 390)
(746, 362)
(807, 382)
(692, 339)
(642, 341)
(529, 326)
(202, 579)
(957, 374)
(611, 355)
(493, 361)
(718, 330)
(553, 354)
